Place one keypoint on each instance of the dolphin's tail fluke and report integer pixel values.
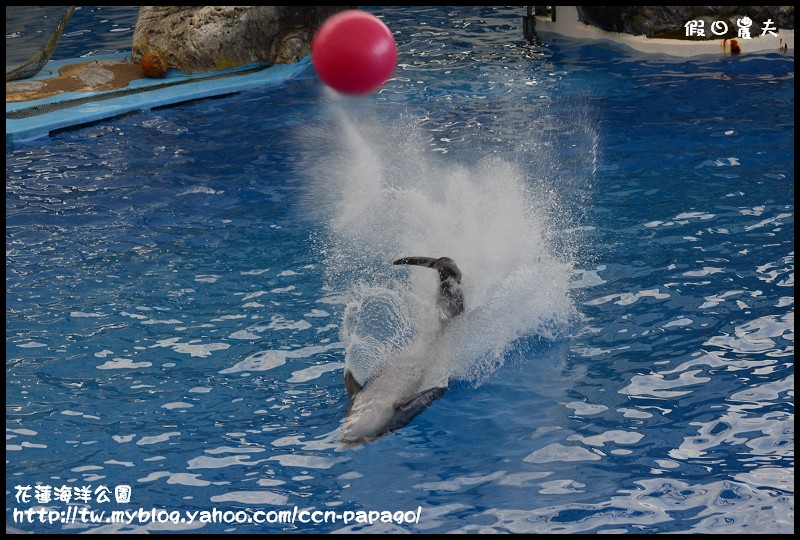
(451, 299)
(419, 261)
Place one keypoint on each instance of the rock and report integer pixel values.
(293, 48)
(199, 39)
(24, 86)
(96, 76)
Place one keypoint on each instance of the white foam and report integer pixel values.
(252, 497)
(681, 321)
(254, 272)
(283, 289)
(158, 438)
(269, 359)
(206, 462)
(244, 334)
(585, 409)
(280, 323)
(384, 195)
(192, 348)
(234, 450)
(559, 452)
(314, 372)
(201, 190)
(31, 345)
(177, 405)
(615, 435)
(306, 462)
(123, 363)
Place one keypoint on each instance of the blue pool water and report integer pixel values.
(184, 287)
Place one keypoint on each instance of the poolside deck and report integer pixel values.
(71, 93)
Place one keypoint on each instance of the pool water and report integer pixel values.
(185, 287)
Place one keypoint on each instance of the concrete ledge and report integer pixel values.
(77, 108)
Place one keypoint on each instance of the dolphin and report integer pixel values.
(414, 379)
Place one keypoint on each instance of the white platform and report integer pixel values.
(567, 24)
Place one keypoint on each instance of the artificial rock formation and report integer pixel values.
(199, 39)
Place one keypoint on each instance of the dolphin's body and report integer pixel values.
(416, 376)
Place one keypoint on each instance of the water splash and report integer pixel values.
(381, 196)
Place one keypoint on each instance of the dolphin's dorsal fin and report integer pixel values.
(351, 384)
(451, 299)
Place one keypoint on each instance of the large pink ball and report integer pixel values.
(354, 52)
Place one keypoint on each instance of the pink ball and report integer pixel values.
(354, 52)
